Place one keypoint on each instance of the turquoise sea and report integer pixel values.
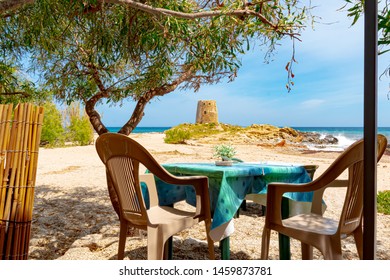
(345, 135)
(145, 129)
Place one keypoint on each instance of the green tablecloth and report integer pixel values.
(228, 187)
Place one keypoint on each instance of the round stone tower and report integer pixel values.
(207, 112)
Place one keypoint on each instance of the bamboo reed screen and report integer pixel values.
(20, 131)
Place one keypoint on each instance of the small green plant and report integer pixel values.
(224, 151)
(176, 136)
(383, 202)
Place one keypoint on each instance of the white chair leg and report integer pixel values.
(156, 244)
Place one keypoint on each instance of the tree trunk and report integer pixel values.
(132, 123)
(100, 128)
(136, 117)
(94, 116)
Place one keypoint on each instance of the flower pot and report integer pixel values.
(224, 163)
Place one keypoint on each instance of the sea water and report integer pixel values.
(145, 129)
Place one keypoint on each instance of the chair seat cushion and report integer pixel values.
(312, 223)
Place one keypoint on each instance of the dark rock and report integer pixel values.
(311, 137)
(316, 138)
(330, 139)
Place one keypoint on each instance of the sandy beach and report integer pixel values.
(73, 217)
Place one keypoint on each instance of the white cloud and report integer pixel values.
(313, 103)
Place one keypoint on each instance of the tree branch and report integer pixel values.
(138, 112)
(94, 116)
(25, 94)
(94, 72)
(11, 5)
(203, 14)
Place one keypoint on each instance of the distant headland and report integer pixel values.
(258, 134)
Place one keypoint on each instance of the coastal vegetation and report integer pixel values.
(177, 136)
(70, 125)
(187, 131)
(383, 200)
(78, 129)
(52, 129)
(220, 133)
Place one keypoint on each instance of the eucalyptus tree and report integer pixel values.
(115, 50)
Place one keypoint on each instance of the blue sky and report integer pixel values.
(328, 81)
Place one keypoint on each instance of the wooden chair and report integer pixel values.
(122, 157)
(313, 229)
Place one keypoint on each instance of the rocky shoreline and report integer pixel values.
(263, 135)
(260, 134)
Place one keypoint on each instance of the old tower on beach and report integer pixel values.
(207, 112)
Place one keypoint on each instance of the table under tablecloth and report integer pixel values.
(230, 185)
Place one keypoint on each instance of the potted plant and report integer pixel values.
(225, 152)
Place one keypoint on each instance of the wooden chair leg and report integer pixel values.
(122, 239)
(265, 243)
(332, 251)
(210, 242)
(358, 236)
(307, 251)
